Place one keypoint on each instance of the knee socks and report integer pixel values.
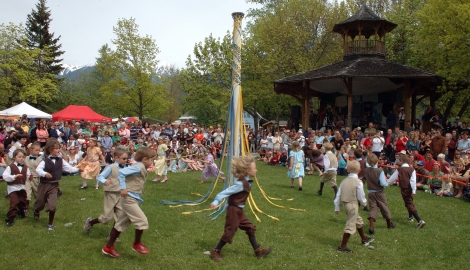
(253, 242)
(221, 244)
(112, 237)
(138, 235)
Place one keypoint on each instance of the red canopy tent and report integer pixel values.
(77, 113)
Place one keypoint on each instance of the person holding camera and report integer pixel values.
(378, 143)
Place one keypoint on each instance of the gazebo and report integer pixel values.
(364, 73)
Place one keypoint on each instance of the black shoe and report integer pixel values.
(319, 192)
(392, 225)
(345, 250)
(21, 214)
(36, 215)
(367, 241)
(9, 222)
(300, 188)
(366, 209)
(371, 231)
(83, 187)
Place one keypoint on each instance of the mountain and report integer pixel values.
(71, 71)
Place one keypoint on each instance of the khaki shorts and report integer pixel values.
(112, 207)
(329, 176)
(131, 214)
(353, 220)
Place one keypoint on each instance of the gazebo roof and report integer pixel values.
(368, 21)
(370, 75)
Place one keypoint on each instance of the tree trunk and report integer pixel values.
(464, 107)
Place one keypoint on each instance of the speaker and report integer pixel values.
(295, 112)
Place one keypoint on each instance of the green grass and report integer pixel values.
(302, 240)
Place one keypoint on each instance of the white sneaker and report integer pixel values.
(87, 226)
(421, 224)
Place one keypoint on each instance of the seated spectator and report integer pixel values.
(421, 174)
(275, 158)
(445, 166)
(434, 182)
(283, 157)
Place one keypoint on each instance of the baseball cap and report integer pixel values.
(358, 128)
(420, 163)
(403, 152)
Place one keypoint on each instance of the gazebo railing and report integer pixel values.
(366, 46)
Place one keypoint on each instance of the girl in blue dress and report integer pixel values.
(296, 164)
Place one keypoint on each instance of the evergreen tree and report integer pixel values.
(37, 32)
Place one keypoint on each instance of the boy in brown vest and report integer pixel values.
(50, 173)
(376, 182)
(350, 192)
(407, 184)
(359, 154)
(15, 175)
(131, 184)
(112, 196)
(32, 161)
(331, 165)
(243, 168)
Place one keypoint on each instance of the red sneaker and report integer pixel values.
(140, 248)
(110, 251)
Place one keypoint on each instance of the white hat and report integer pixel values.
(56, 123)
(358, 128)
(402, 108)
(403, 152)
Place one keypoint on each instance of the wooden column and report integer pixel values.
(350, 101)
(306, 105)
(413, 108)
(406, 100)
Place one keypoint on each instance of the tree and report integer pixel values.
(39, 37)
(128, 75)
(206, 80)
(18, 79)
(171, 78)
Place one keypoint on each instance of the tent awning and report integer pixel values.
(77, 113)
(25, 108)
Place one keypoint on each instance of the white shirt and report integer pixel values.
(377, 144)
(327, 163)
(361, 196)
(8, 177)
(65, 167)
(394, 178)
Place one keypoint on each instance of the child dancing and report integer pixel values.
(349, 193)
(243, 168)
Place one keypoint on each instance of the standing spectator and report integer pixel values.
(124, 133)
(359, 135)
(378, 143)
(413, 142)
(438, 144)
(370, 129)
(391, 119)
(401, 118)
(408, 127)
(417, 124)
(135, 130)
(400, 142)
(451, 147)
(42, 134)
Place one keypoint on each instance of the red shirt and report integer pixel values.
(419, 157)
(428, 165)
(401, 144)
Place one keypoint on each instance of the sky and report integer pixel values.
(175, 25)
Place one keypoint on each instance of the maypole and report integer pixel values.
(235, 144)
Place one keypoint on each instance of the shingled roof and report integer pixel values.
(361, 67)
(368, 19)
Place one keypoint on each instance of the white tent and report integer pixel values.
(25, 108)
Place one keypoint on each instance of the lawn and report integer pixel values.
(301, 240)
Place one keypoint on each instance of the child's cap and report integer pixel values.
(420, 163)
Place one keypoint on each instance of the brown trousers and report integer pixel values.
(378, 200)
(17, 203)
(47, 196)
(406, 193)
(235, 219)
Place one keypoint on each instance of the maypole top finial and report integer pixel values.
(238, 15)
